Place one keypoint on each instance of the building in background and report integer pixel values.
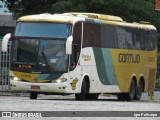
(157, 5)
(7, 22)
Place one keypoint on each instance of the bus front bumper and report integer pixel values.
(38, 87)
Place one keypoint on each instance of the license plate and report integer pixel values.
(35, 87)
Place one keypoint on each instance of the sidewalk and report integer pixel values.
(156, 96)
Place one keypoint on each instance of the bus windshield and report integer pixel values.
(40, 46)
(43, 55)
(41, 29)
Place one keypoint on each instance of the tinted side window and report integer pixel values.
(111, 36)
(77, 31)
(130, 38)
(91, 35)
(88, 34)
(97, 35)
(108, 36)
(77, 35)
(150, 40)
(140, 39)
(121, 38)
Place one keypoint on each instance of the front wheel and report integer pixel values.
(82, 95)
(33, 95)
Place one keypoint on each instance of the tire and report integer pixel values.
(127, 96)
(92, 96)
(130, 95)
(121, 96)
(82, 95)
(138, 92)
(33, 96)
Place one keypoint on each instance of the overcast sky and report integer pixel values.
(3, 9)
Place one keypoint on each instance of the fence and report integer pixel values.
(4, 69)
(4, 73)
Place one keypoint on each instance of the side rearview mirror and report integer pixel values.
(69, 45)
(5, 40)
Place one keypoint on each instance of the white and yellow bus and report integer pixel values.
(85, 54)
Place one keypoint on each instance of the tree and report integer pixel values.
(27, 7)
(132, 11)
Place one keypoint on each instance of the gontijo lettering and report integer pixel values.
(129, 58)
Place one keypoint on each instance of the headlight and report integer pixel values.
(15, 78)
(59, 80)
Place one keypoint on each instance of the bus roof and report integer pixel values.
(92, 17)
(46, 17)
(97, 16)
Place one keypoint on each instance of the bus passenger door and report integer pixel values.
(75, 68)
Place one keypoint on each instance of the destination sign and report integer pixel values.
(25, 66)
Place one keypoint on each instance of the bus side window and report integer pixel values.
(129, 40)
(138, 39)
(150, 40)
(96, 35)
(108, 36)
(77, 33)
(74, 57)
(134, 38)
(121, 37)
(88, 35)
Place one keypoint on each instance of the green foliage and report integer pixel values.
(27, 7)
(135, 10)
(129, 10)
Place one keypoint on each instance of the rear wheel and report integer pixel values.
(33, 95)
(128, 96)
(138, 92)
(82, 95)
(121, 96)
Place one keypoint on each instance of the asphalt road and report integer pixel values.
(68, 106)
